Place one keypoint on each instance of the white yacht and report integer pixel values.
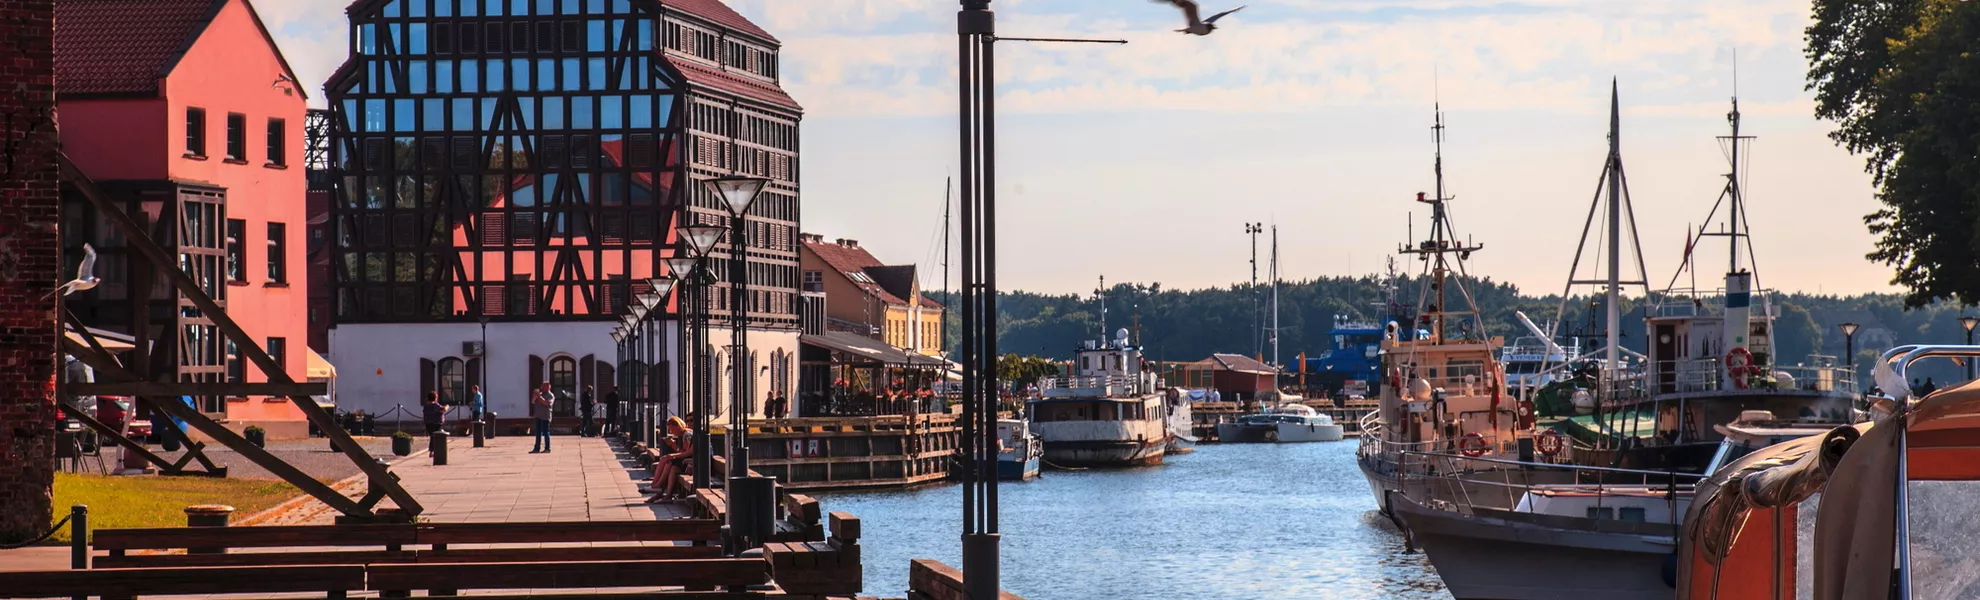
(1018, 450)
(1108, 413)
(1286, 424)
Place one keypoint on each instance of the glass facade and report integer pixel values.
(518, 159)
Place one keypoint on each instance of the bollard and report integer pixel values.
(436, 445)
(490, 421)
(755, 514)
(480, 432)
(208, 515)
(79, 537)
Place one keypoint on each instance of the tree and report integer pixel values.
(1901, 79)
(1796, 333)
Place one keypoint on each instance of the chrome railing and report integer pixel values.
(1711, 375)
(1106, 385)
(1462, 476)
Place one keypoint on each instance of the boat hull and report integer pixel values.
(1103, 454)
(1180, 444)
(1017, 470)
(1513, 558)
(1388, 489)
(1283, 433)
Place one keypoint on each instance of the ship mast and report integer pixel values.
(1101, 294)
(1275, 295)
(1436, 254)
(1620, 220)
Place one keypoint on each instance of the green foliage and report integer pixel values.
(253, 429)
(1901, 79)
(402, 435)
(126, 502)
(1024, 370)
(1796, 334)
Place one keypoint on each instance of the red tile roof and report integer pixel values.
(720, 14)
(124, 46)
(702, 75)
(853, 259)
(1242, 364)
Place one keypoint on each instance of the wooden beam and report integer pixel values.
(198, 388)
(137, 240)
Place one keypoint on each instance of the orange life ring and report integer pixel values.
(1739, 366)
(1550, 442)
(1472, 445)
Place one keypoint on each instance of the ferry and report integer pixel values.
(1108, 413)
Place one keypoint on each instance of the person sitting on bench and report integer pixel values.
(668, 469)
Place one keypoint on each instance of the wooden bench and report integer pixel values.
(824, 567)
(334, 581)
(387, 544)
(698, 573)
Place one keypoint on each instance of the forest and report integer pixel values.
(1188, 325)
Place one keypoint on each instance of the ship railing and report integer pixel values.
(1712, 375)
(1465, 480)
(1093, 385)
(1692, 302)
(1393, 457)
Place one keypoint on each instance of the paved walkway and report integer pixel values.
(582, 479)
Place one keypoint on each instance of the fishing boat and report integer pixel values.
(1109, 412)
(1019, 450)
(1288, 423)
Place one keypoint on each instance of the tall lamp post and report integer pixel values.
(637, 340)
(687, 266)
(1968, 322)
(750, 498)
(1849, 348)
(486, 388)
(662, 287)
(651, 302)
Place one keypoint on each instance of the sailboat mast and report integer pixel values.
(948, 186)
(1615, 230)
(1732, 186)
(1275, 295)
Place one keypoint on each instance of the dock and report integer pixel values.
(817, 453)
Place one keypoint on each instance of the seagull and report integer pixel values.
(85, 275)
(1198, 26)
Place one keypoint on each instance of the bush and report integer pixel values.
(251, 429)
(402, 435)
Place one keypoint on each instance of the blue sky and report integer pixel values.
(1141, 162)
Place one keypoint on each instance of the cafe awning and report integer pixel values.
(868, 349)
(317, 367)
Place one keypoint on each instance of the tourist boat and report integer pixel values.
(1108, 413)
(1018, 450)
(1289, 423)
(1182, 423)
(1443, 387)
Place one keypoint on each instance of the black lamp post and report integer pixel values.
(662, 287)
(749, 497)
(687, 266)
(635, 338)
(1849, 348)
(1968, 322)
(487, 389)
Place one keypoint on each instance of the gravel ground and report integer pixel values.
(312, 456)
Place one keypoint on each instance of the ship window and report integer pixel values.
(1340, 342)
(1632, 514)
(1604, 513)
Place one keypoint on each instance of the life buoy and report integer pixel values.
(1525, 414)
(1550, 442)
(1472, 445)
(1740, 367)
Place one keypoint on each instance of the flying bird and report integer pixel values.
(1198, 26)
(85, 275)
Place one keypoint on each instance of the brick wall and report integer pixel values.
(29, 265)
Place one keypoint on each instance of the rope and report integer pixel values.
(44, 537)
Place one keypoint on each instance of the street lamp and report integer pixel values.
(1849, 347)
(750, 499)
(487, 387)
(661, 288)
(693, 336)
(1968, 322)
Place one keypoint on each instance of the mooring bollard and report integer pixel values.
(437, 446)
(490, 422)
(79, 537)
(208, 515)
(480, 432)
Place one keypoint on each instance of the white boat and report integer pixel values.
(1107, 414)
(1182, 434)
(1019, 450)
(1286, 424)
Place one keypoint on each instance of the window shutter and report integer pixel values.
(536, 378)
(474, 374)
(426, 370)
(586, 368)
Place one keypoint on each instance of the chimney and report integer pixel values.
(811, 238)
(849, 243)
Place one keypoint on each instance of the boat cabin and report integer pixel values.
(1108, 382)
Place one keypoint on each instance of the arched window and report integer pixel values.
(712, 378)
(563, 383)
(453, 382)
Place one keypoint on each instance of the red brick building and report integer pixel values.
(186, 112)
(29, 268)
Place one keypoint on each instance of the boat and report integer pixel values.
(1534, 361)
(1288, 423)
(1108, 413)
(1182, 423)
(1018, 450)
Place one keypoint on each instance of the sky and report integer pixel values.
(1142, 162)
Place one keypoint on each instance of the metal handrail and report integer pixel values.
(1899, 360)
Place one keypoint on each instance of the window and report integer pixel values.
(563, 383)
(236, 260)
(277, 139)
(814, 281)
(196, 132)
(278, 349)
(236, 137)
(236, 370)
(277, 257)
(453, 381)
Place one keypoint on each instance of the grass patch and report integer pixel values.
(154, 501)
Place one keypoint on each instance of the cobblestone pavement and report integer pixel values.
(312, 456)
(583, 479)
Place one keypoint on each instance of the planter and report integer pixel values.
(401, 445)
(257, 437)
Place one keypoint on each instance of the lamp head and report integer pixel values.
(701, 239)
(661, 286)
(1848, 329)
(1968, 322)
(681, 266)
(648, 301)
(632, 320)
(736, 193)
(638, 312)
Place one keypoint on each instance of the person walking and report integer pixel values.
(611, 413)
(477, 405)
(539, 409)
(433, 414)
(585, 408)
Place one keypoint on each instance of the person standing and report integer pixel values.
(432, 413)
(477, 405)
(585, 407)
(611, 413)
(539, 409)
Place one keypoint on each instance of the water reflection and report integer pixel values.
(1238, 521)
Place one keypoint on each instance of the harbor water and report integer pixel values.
(1225, 522)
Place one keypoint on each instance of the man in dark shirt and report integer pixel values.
(586, 406)
(611, 413)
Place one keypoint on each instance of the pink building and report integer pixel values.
(187, 112)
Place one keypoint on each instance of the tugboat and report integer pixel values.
(1289, 423)
(1018, 450)
(1108, 413)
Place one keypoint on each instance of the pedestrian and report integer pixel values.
(539, 409)
(1929, 387)
(433, 412)
(668, 469)
(477, 405)
(611, 412)
(777, 407)
(585, 408)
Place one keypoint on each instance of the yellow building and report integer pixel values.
(870, 298)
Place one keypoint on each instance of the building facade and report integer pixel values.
(187, 113)
(871, 298)
(507, 175)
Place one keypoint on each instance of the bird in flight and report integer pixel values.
(85, 275)
(1198, 26)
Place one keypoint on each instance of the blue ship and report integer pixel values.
(1352, 364)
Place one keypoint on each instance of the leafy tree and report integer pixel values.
(1901, 79)
(1796, 333)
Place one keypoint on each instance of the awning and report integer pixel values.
(868, 349)
(317, 367)
(111, 340)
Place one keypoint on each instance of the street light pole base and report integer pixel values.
(981, 574)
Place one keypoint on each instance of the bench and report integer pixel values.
(824, 567)
(932, 580)
(387, 543)
(335, 581)
(634, 577)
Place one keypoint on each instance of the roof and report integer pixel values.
(868, 348)
(853, 259)
(716, 12)
(1231, 362)
(716, 78)
(124, 46)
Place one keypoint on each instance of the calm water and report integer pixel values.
(1236, 521)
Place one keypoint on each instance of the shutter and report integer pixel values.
(608, 381)
(536, 378)
(426, 369)
(662, 376)
(586, 366)
(474, 372)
